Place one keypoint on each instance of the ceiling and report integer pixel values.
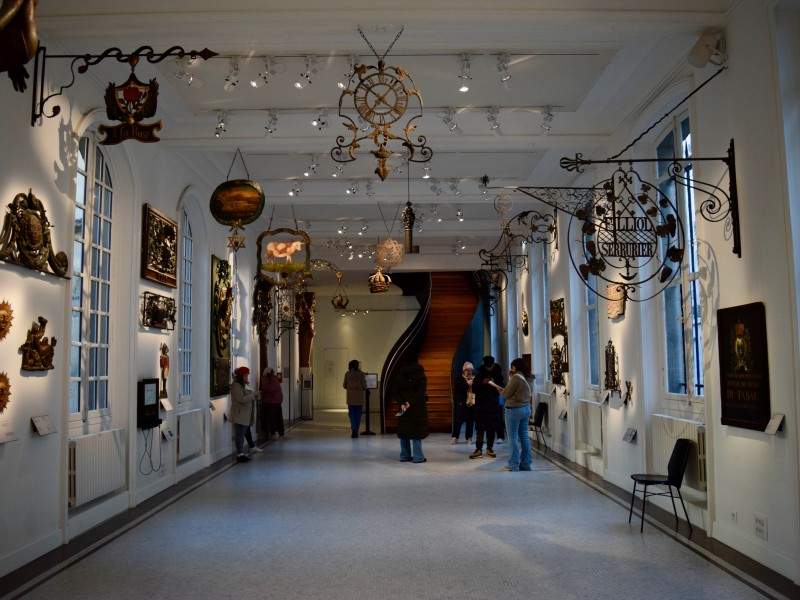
(592, 63)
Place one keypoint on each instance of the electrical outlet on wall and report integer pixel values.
(734, 516)
(760, 522)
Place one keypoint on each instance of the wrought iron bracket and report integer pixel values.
(80, 64)
(718, 204)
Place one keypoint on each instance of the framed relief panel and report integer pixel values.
(159, 247)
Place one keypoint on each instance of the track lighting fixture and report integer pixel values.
(459, 247)
(312, 167)
(352, 61)
(454, 187)
(369, 188)
(427, 174)
(183, 70)
(296, 188)
(337, 171)
(460, 215)
(504, 66)
(483, 186)
(307, 74)
(219, 128)
(449, 119)
(232, 78)
(435, 214)
(321, 120)
(267, 72)
(492, 115)
(465, 75)
(547, 119)
(352, 189)
(363, 230)
(436, 188)
(272, 122)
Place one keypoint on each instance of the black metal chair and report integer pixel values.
(538, 419)
(674, 479)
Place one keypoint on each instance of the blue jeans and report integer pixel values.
(517, 431)
(406, 445)
(354, 412)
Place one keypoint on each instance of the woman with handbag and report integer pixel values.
(518, 412)
(463, 403)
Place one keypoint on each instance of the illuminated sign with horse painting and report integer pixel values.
(284, 255)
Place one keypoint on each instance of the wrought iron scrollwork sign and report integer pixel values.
(80, 64)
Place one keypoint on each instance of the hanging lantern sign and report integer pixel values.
(129, 103)
(284, 255)
(236, 203)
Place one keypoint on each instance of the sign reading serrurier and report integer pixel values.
(632, 238)
(129, 103)
(744, 366)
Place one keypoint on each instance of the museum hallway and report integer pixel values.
(322, 516)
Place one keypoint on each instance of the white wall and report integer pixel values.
(33, 506)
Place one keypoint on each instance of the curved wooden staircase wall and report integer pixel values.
(433, 339)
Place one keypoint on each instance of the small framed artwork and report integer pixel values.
(744, 366)
(159, 247)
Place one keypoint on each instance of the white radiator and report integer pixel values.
(96, 465)
(590, 424)
(665, 430)
(191, 433)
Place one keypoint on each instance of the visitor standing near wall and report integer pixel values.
(410, 392)
(272, 403)
(355, 382)
(518, 412)
(487, 406)
(242, 413)
(464, 403)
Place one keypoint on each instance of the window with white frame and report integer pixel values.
(592, 333)
(683, 329)
(545, 258)
(91, 283)
(185, 334)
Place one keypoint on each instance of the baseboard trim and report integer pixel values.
(22, 556)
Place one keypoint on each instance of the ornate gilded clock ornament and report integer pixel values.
(381, 95)
(6, 317)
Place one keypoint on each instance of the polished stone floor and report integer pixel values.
(322, 516)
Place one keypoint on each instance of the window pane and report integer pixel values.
(93, 328)
(92, 362)
(666, 149)
(95, 262)
(104, 305)
(80, 188)
(83, 149)
(105, 271)
(75, 361)
(95, 294)
(98, 163)
(102, 368)
(92, 403)
(594, 344)
(77, 291)
(107, 235)
(74, 396)
(108, 178)
(76, 326)
(77, 256)
(98, 198)
(80, 214)
(104, 330)
(107, 204)
(103, 389)
(673, 322)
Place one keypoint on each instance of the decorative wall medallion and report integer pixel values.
(379, 282)
(5, 392)
(611, 381)
(25, 239)
(559, 353)
(381, 96)
(221, 311)
(159, 247)
(37, 351)
(558, 325)
(615, 294)
(129, 103)
(18, 40)
(744, 366)
(6, 317)
(158, 311)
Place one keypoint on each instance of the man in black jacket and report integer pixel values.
(487, 405)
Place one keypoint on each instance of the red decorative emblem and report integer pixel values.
(130, 103)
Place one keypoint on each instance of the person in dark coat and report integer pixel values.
(463, 403)
(487, 405)
(409, 391)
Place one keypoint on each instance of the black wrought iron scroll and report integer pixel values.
(80, 64)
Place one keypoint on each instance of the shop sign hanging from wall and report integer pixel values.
(129, 103)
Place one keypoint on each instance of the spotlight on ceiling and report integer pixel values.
(465, 75)
(219, 128)
(363, 230)
(307, 74)
(267, 72)
(449, 119)
(436, 188)
(232, 78)
(710, 48)
(321, 120)
(296, 188)
(547, 119)
(342, 229)
(493, 116)
(504, 67)
(352, 189)
(459, 247)
(435, 214)
(352, 61)
(312, 168)
(460, 214)
(454, 187)
(337, 171)
(427, 174)
(272, 122)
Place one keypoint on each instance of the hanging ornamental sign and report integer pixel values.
(129, 103)
(381, 95)
(236, 203)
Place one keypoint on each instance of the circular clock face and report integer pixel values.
(381, 99)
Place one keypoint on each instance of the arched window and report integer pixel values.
(91, 283)
(592, 334)
(185, 334)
